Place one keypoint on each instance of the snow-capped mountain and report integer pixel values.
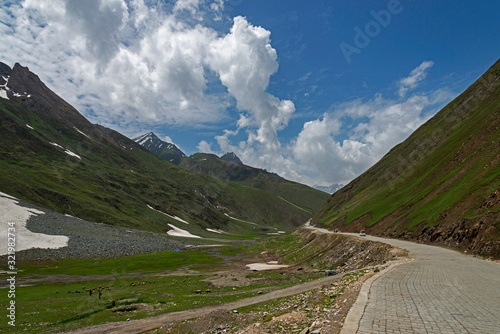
(163, 149)
(329, 189)
(5, 90)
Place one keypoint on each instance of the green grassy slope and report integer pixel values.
(440, 185)
(301, 195)
(114, 179)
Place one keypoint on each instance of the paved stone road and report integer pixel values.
(440, 291)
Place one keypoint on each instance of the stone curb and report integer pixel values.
(354, 315)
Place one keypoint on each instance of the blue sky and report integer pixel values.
(316, 91)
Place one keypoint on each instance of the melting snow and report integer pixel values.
(68, 152)
(177, 232)
(266, 266)
(166, 214)
(4, 88)
(215, 231)
(144, 139)
(3, 94)
(81, 132)
(56, 144)
(12, 212)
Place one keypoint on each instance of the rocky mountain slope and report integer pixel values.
(441, 185)
(231, 156)
(54, 157)
(163, 149)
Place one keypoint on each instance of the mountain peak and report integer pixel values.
(163, 149)
(15, 82)
(150, 136)
(231, 156)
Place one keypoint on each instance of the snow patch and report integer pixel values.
(57, 145)
(177, 232)
(68, 152)
(215, 231)
(166, 214)
(4, 88)
(12, 212)
(266, 266)
(8, 196)
(82, 132)
(3, 94)
(144, 139)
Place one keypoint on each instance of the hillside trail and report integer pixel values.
(439, 291)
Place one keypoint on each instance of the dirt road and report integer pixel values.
(141, 325)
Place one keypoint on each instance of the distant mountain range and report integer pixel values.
(230, 168)
(54, 157)
(441, 185)
(329, 189)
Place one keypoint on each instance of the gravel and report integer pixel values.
(91, 240)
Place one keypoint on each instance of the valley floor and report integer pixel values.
(213, 290)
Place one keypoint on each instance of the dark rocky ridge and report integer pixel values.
(232, 157)
(163, 149)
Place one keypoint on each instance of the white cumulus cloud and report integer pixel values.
(204, 147)
(417, 75)
(132, 64)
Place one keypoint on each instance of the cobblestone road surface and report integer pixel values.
(440, 291)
